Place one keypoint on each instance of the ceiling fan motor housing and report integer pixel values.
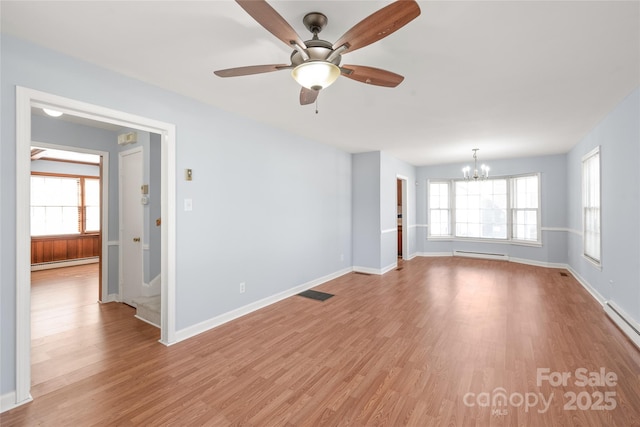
(318, 50)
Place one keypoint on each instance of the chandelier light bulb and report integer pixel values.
(484, 174)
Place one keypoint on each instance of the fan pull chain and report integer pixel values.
(316, 105)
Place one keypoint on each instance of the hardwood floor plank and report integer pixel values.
(420, 346)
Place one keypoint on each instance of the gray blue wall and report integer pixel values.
(270, 209)
(618, 136)
(553, 207)
(59, 132)
(375, 247)
(366, 211)
(276, 211)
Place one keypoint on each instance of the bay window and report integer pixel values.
(501, 209)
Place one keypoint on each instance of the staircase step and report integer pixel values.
(148, 309)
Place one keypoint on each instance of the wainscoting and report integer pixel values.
(54, 249)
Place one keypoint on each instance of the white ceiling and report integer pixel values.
(513, 78)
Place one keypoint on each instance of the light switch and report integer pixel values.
(188, 204)
(188, 174)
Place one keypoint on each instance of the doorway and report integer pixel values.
(401, 212)
(25, 100)
(85, 173)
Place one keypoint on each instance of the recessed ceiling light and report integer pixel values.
(52, 113)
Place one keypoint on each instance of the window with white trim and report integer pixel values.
(505, 209)
(64, 205)
(591, 205)
(481, 209)
(524, 208)
(439, 211)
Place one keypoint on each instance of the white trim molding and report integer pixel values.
(26, 99)
(389, 230)
(8, 401)
(538, 263)
(564, 229)
(214, 322)
(110, 298)
(376, 271)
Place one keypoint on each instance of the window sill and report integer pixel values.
(596, 264)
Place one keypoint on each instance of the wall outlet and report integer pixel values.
(242, 288)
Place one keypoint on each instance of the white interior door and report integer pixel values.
(131, 225)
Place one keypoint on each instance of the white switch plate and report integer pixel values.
(188, 204)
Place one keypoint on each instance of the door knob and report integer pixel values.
(136, 239)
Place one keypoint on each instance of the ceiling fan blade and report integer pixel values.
(272, 21)
(372, 76)
(308, 96)
(252, 69)
(378, 25)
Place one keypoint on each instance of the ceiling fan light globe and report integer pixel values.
(316, 75)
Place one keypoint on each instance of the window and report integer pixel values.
(64, 205)
(439, 212)
(481, 209)
(91, 205)
(591, 205)
(505, 208)
(524, 208)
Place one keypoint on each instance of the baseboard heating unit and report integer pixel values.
(64, 263)
(624, 322)
(483, 255)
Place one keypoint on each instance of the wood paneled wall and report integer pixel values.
(62, 248)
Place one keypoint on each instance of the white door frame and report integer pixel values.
(104, 223)
(25, 99)
(121, 154)
(405, 211)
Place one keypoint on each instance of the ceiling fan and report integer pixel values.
(315, 63)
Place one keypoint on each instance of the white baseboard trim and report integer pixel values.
(111, 298)
(376, 271)
(510, 259)
(66, 263)
(538, 263)
(411, 256)
(367, 270)
(201, 327)
(8, 401)
(146, 321)
(389, 267)
(630, 327)
(595, 294)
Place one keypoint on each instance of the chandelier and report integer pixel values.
(484, 170)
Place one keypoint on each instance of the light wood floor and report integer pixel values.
(417, 346)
